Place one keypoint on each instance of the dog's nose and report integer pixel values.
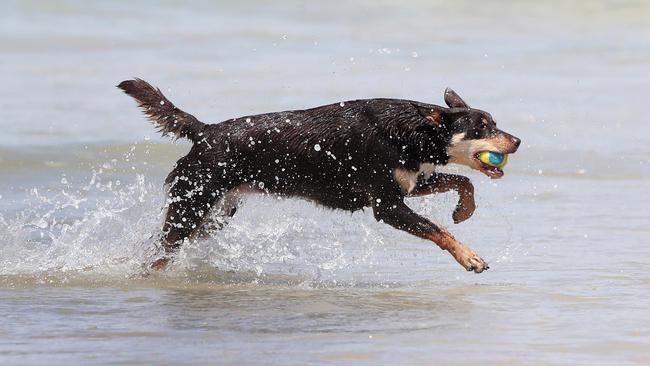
(515, 142)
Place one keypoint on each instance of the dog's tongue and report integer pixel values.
(494, 172)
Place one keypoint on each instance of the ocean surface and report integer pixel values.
(566, 231)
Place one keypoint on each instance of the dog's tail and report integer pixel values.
(168, 118)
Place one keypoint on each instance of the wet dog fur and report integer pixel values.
(348, 156)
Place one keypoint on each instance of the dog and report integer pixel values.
(349, 156)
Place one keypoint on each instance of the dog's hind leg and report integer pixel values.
(441, 182)
(191, 196)
(397, 214)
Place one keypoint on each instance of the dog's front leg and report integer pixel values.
(400, 216)
(441, 182)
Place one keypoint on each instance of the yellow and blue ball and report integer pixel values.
(494, 159)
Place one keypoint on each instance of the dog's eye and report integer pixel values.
(480, 130)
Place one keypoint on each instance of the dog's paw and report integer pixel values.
(463, 211)
(471, 261)
(477, 264)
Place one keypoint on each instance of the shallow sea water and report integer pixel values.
(285, 282)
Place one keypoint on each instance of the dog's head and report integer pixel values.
(473, 131)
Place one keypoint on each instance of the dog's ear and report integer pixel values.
(454, 100)
(433, 115)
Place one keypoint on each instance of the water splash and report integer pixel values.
(101, 225)
(108, 224)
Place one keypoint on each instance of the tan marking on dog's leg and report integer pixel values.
(463, 254)
(466, 206)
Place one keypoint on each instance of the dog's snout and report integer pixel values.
(511, 143)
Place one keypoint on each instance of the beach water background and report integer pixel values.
(286, 282)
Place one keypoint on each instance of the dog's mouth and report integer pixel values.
(489, 170)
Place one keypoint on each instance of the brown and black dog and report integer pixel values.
(348, 156)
